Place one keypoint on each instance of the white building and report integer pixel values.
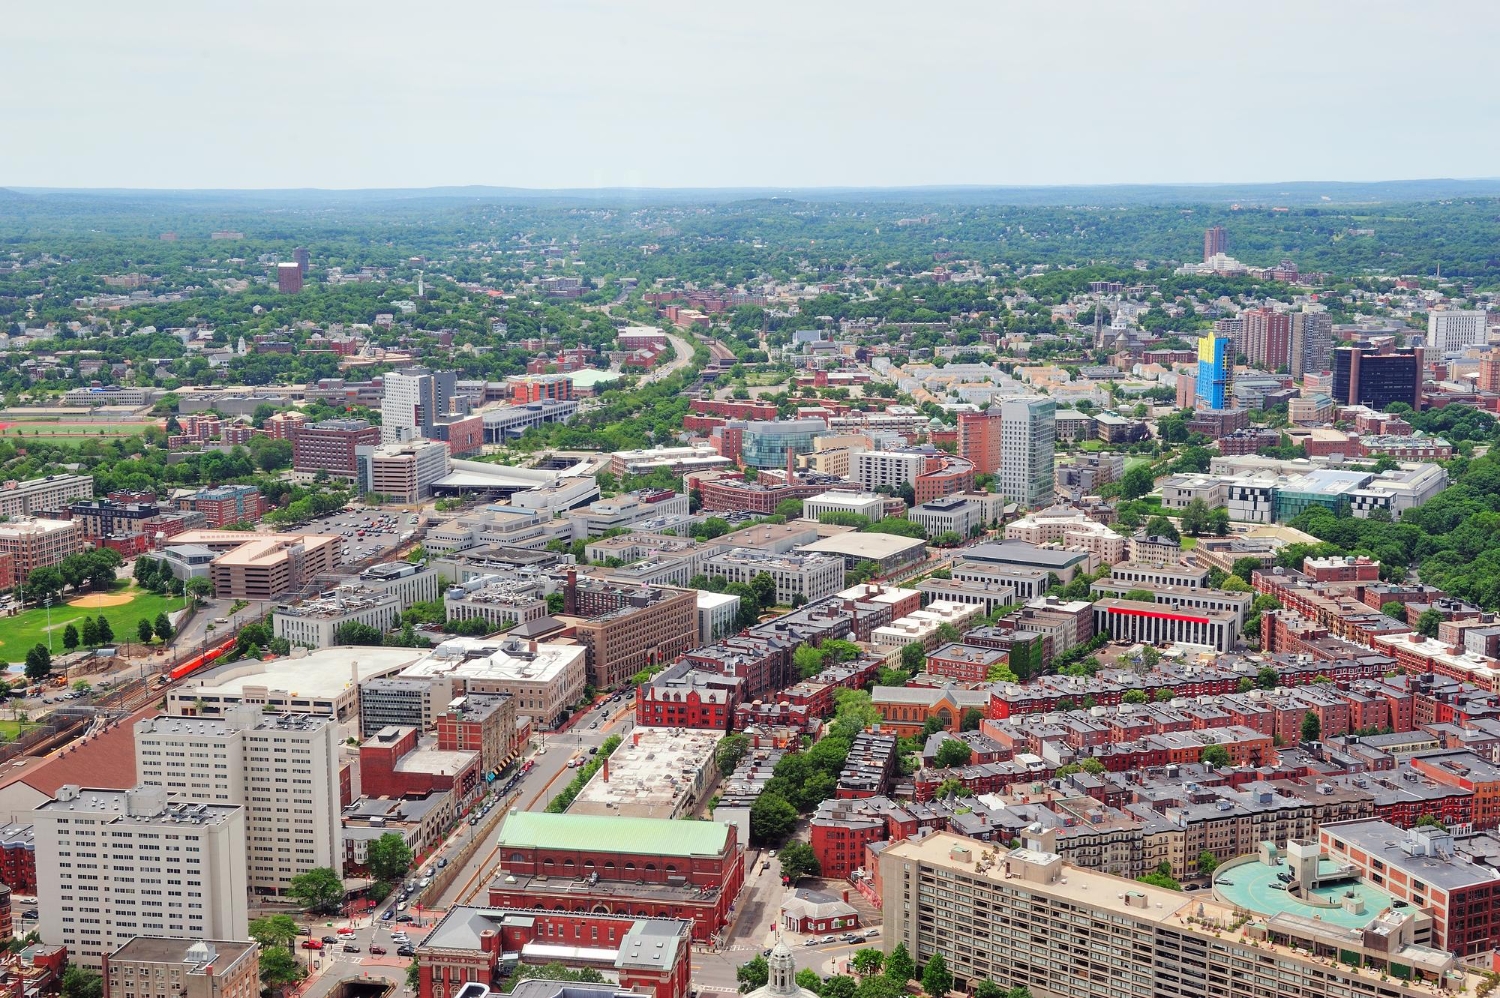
(115, 864)
(512, 526)
(876, 468)
(810, 576)
(545, 679)
(283, 769)
(1450, 330)
(625, 511)
(410, 583)
(499, 599)
(1072, 529)
(1027, 439)
(950, 514)
(314, 623)
(870, 505)
(717, 613)
(318, 682)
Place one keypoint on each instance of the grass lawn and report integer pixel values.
(1188, 543)
(21, 632)
(10, 729)
(1134, 460)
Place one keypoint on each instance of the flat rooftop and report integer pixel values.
(656, 836)
(475, 658)
(1382, 840)
(1249, 886)
(322, 674)
(866, 545)
(650, 775)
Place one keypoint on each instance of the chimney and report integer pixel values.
(531, 646)
(605, 770)
(570, 593)
(791, 465)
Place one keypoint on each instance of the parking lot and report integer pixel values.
(368, 531)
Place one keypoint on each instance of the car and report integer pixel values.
(350, 948)
(442, 863)
(852, 937)
(406, 951)
(312, 944)
(428, 880)
(810, 941)
(388, 914)
(331, 940)
(221, 620)
(345, 931)
(377, 951)
(594, 750)
(31, 913)
(303, 930)
(873, 933)
(594, 725)
(829, 939)
(403, 918)
(765, 952)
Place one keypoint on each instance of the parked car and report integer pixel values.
(312, 944)
(303, 930)
(873, 933)
(403, 918)
(810, 941)
(442, 863)
(377, 951)
(406, 951)
(829, 939)
(31, 913)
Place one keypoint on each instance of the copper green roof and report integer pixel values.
(609, 833)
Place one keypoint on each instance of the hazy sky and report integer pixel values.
(162, 94)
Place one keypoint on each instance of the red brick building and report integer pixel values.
(734, 410)
(685, 697)
(330, 445)
(646, 867)
(652, 956)
(394, 763)
(18, 859)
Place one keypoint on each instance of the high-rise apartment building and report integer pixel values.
(282, 769)
(288, 278)
(1215, 378)
(1267, 338)
(1028, 433)
(1312, 343)
(412, 400)
(33, 544)
(1450, 330)
(1025, 918)
(1215, 241)
(330, 446)
(1367, 376)
(115, 864)
(979, 439)
(876, 468)
(301, 258)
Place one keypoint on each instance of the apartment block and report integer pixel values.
(43, 495)
(33, 544)
(157, 967)
(282, 770)
(331, 445)
(314, 623)
(150, 843)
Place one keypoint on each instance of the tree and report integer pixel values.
(413, 976)
(44, 582)
(1162, 877)
(144, 631)
(1160, 526)
(808, 979)
(70, 637)
(388, 857)
(1427, 623)
(955, 788)
(808, 660)
(763, 585)
(274, 930)
(38, 662)
(730, 751)
(280, 968)
(1245, 567)
(1207, 863)
(1312, 728)
(753, 974)
(1140, 596)
(953, 752)
(1267, 678)
(163, 627)
(973, 716)
(79, 982)
(988, 989)
(789, 508)
(199, 587)
(1163, 694)
(90, 632)
(353, 632)
(319, 889)
(1235, 584)
(936, 978)
(913, 657)
(880, 986)
(1197, 518)
(772, 818)
(839, 986)
(1215, 755)
(1136, 482)
(798, 860)
(1092, 766)
(899, 966)
(1134, 696)
(868, 961)
(106, 632)
(1395, 609)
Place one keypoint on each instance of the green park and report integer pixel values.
(123, 607)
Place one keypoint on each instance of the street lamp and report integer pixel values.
(47, 602)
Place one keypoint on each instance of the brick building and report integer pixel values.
(331, 446)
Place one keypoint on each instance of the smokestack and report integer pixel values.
(605, 770)
(791, 465)
(570, 593)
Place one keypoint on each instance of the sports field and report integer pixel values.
(126, 605)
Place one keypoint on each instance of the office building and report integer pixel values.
(402, 472)
(176, 868)
(870, 505)
(1155, 624)
(1026, 918)
(627, 628)
(402, 703)
(1450, 330)
(322, 682)
(315, 622)
(302, 259)
(767, 444)
(330, 446)
(412, 400)
(1215, 379)
(33, 544)
(1267, 338)
(1376, 378)
(1312, 343)
(227, 504)
(979, 439)
(288, 278)
(807, 576)
(1027, 439)
(545, 680)
(281, 769)
(259, 566)
(1215, 242)
(157, 967)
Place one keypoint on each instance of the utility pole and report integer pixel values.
(48, 603)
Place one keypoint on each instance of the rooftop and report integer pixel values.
(657, 836)
(322, 674)
(505, 659)
(871, 546)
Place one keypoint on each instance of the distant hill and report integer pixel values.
(1296, 193)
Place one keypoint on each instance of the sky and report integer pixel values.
(765, 93)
